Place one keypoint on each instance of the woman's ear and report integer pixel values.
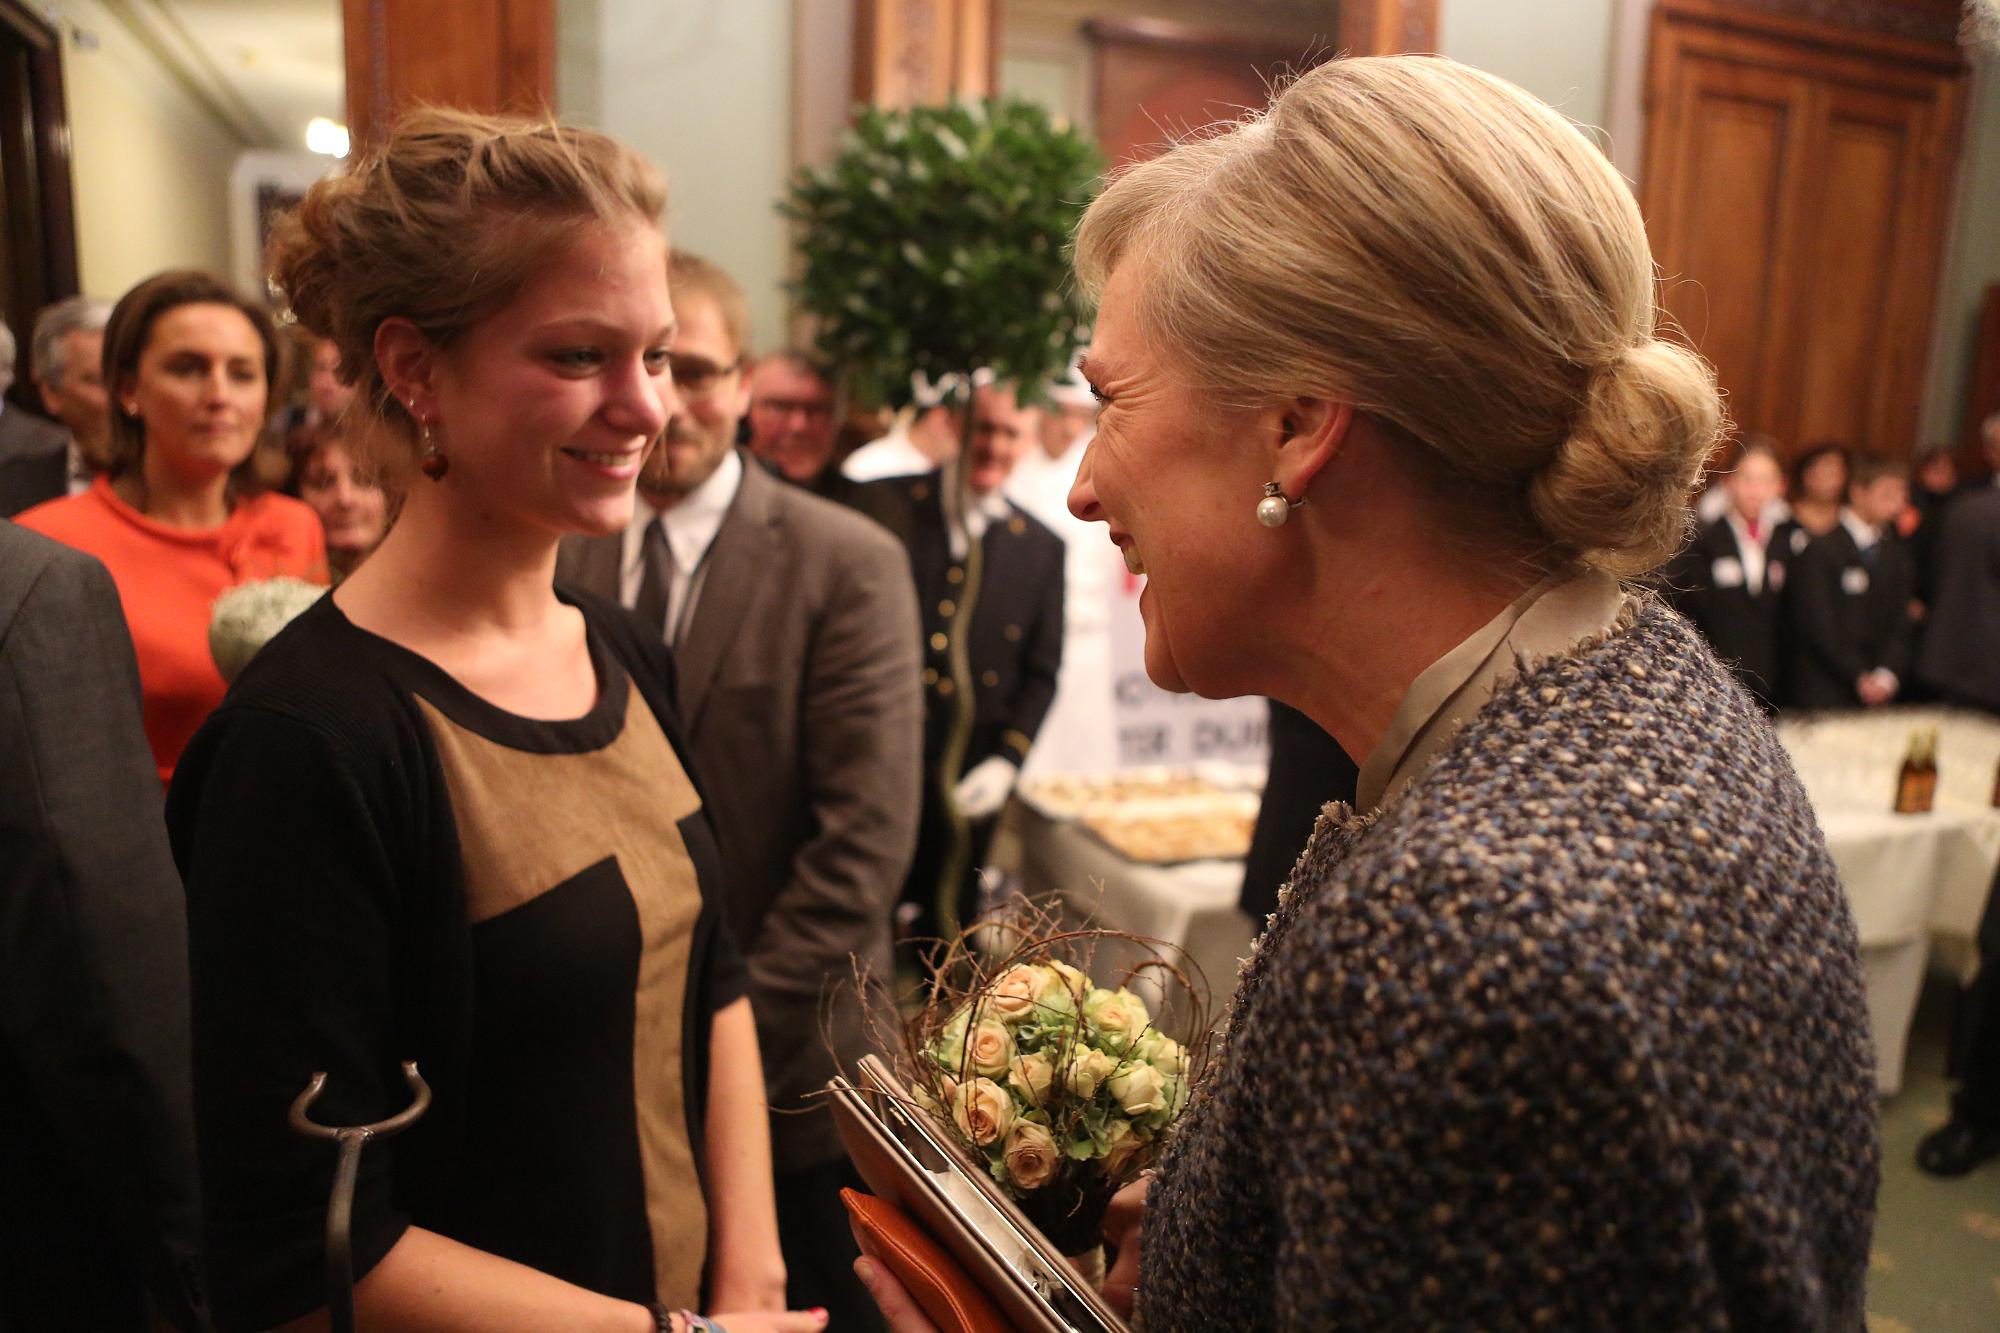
(1313, 432)
(407, 361)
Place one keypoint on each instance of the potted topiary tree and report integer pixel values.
(936, 245)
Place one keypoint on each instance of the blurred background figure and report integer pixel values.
(1081, 728)
(1819, 486)
(993, 646)
(180, 516)
(34, 455)
(922, 436)
(1730, 579)
(327, 395)
(1961, 651)
(1852, 636)
(68, 362)
(792, 423)
(352, 505)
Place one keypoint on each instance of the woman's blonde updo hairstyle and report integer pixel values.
(1437, 247)
(442, 225)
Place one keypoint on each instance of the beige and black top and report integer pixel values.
(557, 994)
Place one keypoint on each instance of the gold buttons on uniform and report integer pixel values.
(930, 676)
(944, 687)
(939, 643)
(920, 491)
(954, 575)
(1017, 525)
(1013, 633)
(947, 608)
(989, 679)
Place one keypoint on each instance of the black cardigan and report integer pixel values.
(328, 931)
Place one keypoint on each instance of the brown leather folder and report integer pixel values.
(994, 1252)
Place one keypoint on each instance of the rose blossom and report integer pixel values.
(1087, 1069)
(1139, 1088)
(1033, 1075)
(983, 1111)
(1015, 995)
(1031, 1155)
(1121, 1144)
(989, 1047)
(1119, 1017)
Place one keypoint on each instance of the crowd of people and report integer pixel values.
(1861, 585)
(645, 707)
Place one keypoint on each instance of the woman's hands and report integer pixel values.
(899, 1311)
(748, 1282)
(1122, 1224)
(765, 1321)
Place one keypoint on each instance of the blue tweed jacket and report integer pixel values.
(1570, 1034)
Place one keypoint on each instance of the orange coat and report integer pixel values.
(168, 579)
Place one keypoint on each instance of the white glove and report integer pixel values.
(981, 793)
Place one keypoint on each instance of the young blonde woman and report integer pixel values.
(1561, 1025)
(443, 816)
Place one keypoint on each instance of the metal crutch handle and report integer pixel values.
(340, 1206)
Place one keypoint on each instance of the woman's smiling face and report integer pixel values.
(1176, 479)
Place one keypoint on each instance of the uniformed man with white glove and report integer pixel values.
(990, 587)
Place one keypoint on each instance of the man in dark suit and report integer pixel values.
(1730, 579)
(98, 1200)
(1308, 770)
(990, 586)
(1853, 638)
(34, 455)
(1961, 653)
(794, 626)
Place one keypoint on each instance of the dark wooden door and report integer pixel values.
(1796, 182)
(37, 221)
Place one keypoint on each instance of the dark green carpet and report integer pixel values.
(1936, 1265)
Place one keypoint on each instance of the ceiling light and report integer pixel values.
(326, 136)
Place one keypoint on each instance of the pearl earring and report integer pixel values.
(1274, 508)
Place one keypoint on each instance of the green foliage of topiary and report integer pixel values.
(937, 241)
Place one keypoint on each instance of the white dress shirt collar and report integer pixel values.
(690, 525)
(1865, 535)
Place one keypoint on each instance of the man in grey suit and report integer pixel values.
(98, 1201)
(794, 627)
(1961, 652)
(34, 454)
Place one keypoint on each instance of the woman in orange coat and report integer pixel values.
(179, 519)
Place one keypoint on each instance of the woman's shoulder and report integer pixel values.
(323, 674)
(275, 516)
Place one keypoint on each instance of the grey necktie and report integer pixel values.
(656, 577)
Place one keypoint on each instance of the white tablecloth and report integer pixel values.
(1191, 905)
(1914, 881)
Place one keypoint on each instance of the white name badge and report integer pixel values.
(1854, 581)
(1800, 540)
(1727, 572)
(1774, 577)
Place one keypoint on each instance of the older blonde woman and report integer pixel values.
(1562, 1026)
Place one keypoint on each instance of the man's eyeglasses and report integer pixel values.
(697, 375)
(810, 409)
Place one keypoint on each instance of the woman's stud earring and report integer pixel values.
(1274, 508)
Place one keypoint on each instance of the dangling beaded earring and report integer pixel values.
(433, 464)
(1274, 508)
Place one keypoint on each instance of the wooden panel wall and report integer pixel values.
(483, 55)
(1796, 187)
(925, 52)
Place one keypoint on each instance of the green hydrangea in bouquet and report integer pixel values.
(1066, 1090)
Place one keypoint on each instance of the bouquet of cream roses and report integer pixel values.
(1065, 1090)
